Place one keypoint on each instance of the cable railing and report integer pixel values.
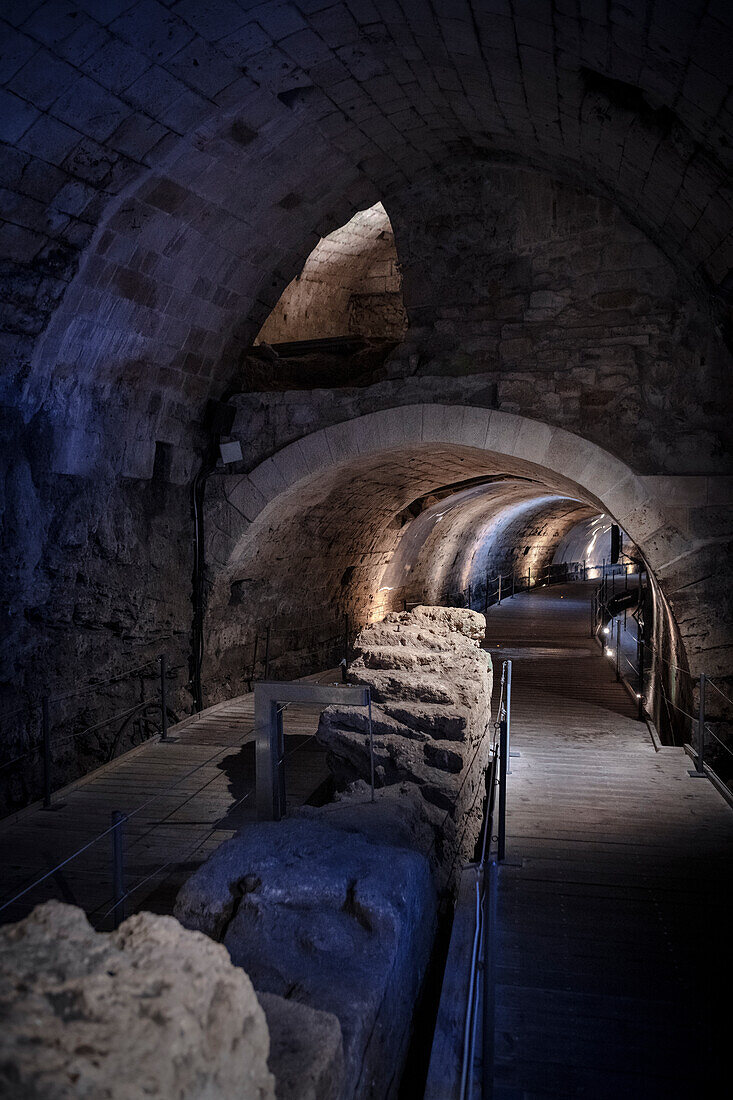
(647, 677)
(46, 743)
(279, 643)
(497, 587)
(38, 728)
(482, 967)
(119, 892)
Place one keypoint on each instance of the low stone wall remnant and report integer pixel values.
(431, 687)
(329, 918)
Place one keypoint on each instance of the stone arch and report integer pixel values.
(333, 497)
(575, 465)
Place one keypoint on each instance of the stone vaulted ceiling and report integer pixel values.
(170, 166)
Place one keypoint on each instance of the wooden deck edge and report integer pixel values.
(75, 784)
(444, 1071)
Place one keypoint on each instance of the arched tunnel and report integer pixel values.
(333, 329)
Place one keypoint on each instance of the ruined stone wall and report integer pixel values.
(95, 581)
(576, 317)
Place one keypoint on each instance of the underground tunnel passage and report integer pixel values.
(366, 544)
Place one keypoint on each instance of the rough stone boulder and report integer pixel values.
(330, 918)
(431, 694)
(306, 1051)
(149, 1010)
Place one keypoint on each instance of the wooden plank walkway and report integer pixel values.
(183, 799)
(614, 937)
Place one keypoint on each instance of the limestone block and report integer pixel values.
(341, 442)
(533, 441)
(399, 427)
(246, 498)
(149, 1010)
(267, 479)
(291, 464)
(316, 452)
(431, 688)
(306, 1050)
(328, 918)
(442, 423)
(475, 426)
(503, 431)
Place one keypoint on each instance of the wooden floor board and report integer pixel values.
(612, 940)
(184, 798)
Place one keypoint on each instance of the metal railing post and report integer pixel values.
(508, 715)
(640, 666)
(254, 661)
(513, 584)
(118, 867)
(699, 770)
(46, 727)
(701, 726)
(529, 577)
(163, 702)
(491, 885)
(593, 615)
(503, 761)
(500, 590)
(280, 735)
(618, 650)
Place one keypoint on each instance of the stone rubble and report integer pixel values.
(148, 1010)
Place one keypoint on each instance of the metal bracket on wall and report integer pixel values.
(269, 736)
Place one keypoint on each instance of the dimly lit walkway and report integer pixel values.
(183, 800)
(613, 903)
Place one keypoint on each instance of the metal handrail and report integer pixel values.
(482, 955)
(698, 725)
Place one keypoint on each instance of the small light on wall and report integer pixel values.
(609, 651)
(606, 630)
(230, 452)
(638, 695)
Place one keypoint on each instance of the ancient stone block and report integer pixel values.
(148, 1010)
(306, 1050)
(338, 921)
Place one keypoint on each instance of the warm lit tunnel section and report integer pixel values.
(461, 543)
(590, 542)
(350, 286)
(338, 550)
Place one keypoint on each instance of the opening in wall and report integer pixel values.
(350, 286)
